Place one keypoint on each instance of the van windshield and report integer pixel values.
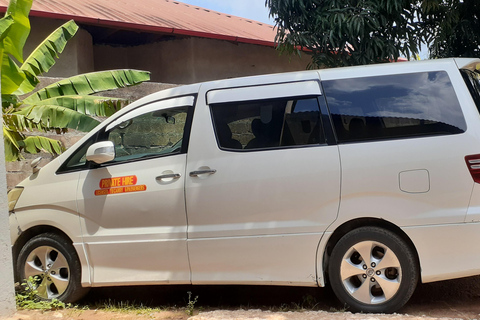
(472, 79)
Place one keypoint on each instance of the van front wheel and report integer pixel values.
(51, 268)
(373, 270)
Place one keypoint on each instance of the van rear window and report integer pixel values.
(394, 106)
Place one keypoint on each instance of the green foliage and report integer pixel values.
(67, 104)
(89, 83)
(17, 36)
(452, 28)
(27, 298)
(357, 32)
(51, 116)
(191, 304)
(127, 307)
(43, 57)
(348, 32)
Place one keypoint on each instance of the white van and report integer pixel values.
(364, 178)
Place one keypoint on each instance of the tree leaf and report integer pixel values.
(89, 105)
(20, 29)
(11, 77)
(5, 26)
(43, 57)
(58, 117)
(35, 144)
(90, 83)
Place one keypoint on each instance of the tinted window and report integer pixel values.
(394, 106)
(472, 79)
(267, 123)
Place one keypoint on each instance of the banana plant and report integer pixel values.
(66, 104)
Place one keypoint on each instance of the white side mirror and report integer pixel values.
(101, 152)
(34, 164)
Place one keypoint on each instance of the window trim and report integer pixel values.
(264, 92)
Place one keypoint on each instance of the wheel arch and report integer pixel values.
(28, 234)
(348, 226)
(35, 231)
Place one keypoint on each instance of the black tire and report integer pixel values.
(52, 261)
(384, 285)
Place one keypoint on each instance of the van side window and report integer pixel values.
(394, 106)
(265, 124)
(150, 134)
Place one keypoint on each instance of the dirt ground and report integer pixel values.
(454, 299)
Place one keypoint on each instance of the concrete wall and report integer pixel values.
(7, 293)
(193, 60)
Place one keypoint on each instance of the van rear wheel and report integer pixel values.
(373, 270)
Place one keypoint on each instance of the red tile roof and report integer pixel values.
(157, 16)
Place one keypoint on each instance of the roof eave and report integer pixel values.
(147, 28)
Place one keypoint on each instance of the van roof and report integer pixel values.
(325, 74)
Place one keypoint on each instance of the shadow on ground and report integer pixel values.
(454, 298)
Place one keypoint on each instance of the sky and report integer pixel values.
(250, 9)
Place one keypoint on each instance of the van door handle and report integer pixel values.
(169, 176)
(200, 172)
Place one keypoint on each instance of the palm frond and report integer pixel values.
(43, 57)
(90, 83)
(49, 116)
(89, 105)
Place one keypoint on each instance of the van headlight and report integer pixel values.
(13, 196)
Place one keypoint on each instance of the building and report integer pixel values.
(177, 42)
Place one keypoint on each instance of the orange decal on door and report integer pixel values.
(118, 182)
(119, 185)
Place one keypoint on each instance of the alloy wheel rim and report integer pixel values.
(370, 272)
(47, 272)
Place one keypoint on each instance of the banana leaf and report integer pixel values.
(12, 77)
(43, 57)
(20, 123)
(5, 26)
(20, 29)
(11, 153)
(11, 136)
(35, 144)
(15, 143)
(58, 117)
(89, 83)
(9, 100)
(90, 105)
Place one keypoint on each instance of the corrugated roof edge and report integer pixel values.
(134, 26)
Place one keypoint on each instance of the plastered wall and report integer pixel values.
(7, 294)
(191, 60)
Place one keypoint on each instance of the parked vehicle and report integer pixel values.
(365, 178)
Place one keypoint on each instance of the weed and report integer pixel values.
(309, 302)
(191, 304)
(27, 297)
(127, 307)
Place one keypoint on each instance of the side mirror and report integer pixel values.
(101, 152)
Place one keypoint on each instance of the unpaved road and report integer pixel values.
(454, 299)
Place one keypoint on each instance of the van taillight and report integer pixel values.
(473, 164)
